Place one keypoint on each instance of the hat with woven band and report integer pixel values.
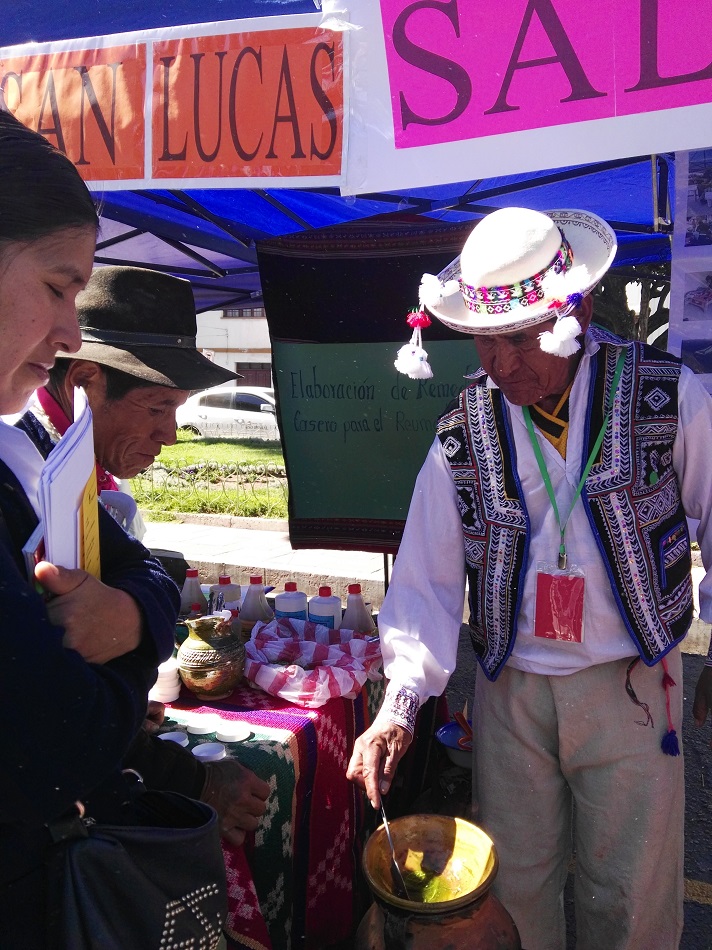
(521, 267)
(143, 323)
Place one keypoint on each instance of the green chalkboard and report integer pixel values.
(355, 431)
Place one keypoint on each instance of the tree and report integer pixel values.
(612, 309)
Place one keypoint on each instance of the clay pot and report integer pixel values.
(211, 660)
(465, 914)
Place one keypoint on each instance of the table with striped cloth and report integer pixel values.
(295, 883)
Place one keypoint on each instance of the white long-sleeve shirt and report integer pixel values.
(420, 619)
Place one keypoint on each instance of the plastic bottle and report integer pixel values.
(230, 593)
(291, 602)
(325, 608)
(235, 623)
(191, 593)
(357, 615)
(254, 607)
(195, 611)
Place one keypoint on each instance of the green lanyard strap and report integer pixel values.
(594, 452)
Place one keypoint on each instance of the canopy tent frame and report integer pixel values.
(218, 254)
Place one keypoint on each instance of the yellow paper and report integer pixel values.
(62, 487)
(88, 528)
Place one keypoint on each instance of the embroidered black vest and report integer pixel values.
(631, 497)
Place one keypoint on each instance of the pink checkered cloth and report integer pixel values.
(309, 664)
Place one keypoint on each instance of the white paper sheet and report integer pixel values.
(62, 484)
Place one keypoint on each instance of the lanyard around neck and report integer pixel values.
(594, 452)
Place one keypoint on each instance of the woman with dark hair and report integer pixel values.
(75, 669)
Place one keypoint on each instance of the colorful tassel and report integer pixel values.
(670, 744)
(417, 319)
(412, 359)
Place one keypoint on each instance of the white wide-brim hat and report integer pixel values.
(520, 267)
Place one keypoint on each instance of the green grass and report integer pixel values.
(214, 476)
(191, 449)
(256, 503)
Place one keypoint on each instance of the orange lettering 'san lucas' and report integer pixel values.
(263, 104)
(248, 105)
(89, 103)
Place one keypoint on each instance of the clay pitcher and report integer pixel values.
(449, 865)
(211, 660)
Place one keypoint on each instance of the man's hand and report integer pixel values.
(376, 755)
(703, 696)
(100, 622)
(155, 714)
(237, 795)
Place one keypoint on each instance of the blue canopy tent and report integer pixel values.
(209, 235)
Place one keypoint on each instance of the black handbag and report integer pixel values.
(155, 883)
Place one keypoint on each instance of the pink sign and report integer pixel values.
(463, 69)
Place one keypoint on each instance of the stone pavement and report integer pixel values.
(217, 544)
(243, 546)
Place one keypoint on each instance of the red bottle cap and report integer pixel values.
(191, 572)
(224, 579)
(354, 588)
(290, 585)
(325, 592)
(255, 579)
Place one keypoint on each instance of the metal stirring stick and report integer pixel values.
(398, 880)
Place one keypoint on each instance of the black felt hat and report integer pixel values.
(143, 323)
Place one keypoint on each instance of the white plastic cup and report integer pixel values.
(232, 731)
(180, 737)
(210, 751)
(165, 694)
(203, 725)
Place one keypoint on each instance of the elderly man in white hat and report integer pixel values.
(558, 487)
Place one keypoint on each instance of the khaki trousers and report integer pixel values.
(543, 742)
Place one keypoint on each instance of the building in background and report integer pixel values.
(239, 340)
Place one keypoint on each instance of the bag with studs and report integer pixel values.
(158, 882)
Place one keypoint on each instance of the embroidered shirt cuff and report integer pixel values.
(401, 706)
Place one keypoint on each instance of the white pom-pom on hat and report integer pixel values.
(412, 361)
(561, 339)
(432, 291)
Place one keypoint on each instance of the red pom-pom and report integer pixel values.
(418, 319)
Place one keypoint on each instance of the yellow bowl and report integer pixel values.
(464, 856)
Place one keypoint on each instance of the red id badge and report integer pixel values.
(559, 603)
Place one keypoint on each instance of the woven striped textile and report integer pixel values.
(295, 883)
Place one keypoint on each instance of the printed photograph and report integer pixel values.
(699, 199)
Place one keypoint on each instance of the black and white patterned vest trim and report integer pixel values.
(631, 497)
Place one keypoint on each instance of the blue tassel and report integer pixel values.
(670, 745)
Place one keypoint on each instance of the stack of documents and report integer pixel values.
(68, 495)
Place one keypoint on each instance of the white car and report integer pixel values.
(230, 412)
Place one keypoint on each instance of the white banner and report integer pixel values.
(453, 90)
